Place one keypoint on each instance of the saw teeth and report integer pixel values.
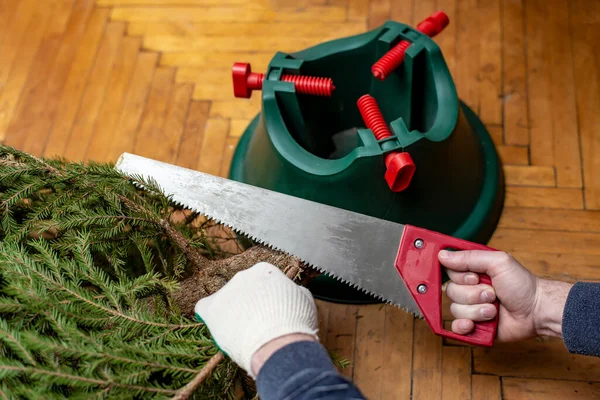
(264, 243)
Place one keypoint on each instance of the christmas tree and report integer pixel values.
(98, 281)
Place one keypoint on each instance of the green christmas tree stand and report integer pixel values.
(317, 147)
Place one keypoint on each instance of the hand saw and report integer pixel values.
(396, 263)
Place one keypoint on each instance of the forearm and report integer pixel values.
(549, 307)
(302, 371)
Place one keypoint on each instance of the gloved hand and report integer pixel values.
(256, 306)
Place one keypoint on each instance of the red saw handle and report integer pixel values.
(417, 262)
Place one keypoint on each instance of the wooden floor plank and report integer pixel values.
(238, 108)
(379, 13)
(548, 389)
(241, 29)
(164, 145)
(568, 267)
(522, 196)
(215, 84)
(529, 240)
(585, 11)
(122, 3)
(515, 155)
(75, 146)
(490, 62)
(16, 34)
(559, 220)
(203, 75)
(369, 352)
(16, 80)
(225, 14)
(213, 91)
(516, 117)
(403, 12)
(427, 363)
(59, 21)
(397, 368)
(423, 9)
(230, 146)
(37, 79)
(587, 85)
(564, 115)
(7, 10)
(123, 138)
(238, 127)
(446, 40)
(378, 373)
(358, 9)
(456, 373)
(340, 332)
(485, 387)
(36, 111)
(468, 54)
(150, 133)
(496, 133)
(546, 359)
(518, 175)
(191, 140)
(270, 44)
(258, 61)
(114, 98)
(538, 81)
(75, 85)
(213, 146)
(323, 318)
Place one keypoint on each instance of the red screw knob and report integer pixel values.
(372, 116)
(245, 81)
(400, 167)
(430, 26)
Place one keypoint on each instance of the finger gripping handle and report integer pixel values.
(417, 262)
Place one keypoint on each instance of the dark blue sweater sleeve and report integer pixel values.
(303, 371)
(581, 319)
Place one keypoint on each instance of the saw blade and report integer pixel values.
(356, 249)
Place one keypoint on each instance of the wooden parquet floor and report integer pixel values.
(88, 80)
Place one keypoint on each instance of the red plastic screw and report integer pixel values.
(400, 167)
(245, 81)
(431, 26)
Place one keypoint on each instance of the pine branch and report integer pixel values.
(97, 278)
(185, 392)
(97, 305)
(13, 343)
(105, 355)
(198, 261)
(67, 378)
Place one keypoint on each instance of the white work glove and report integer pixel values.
(256, 306)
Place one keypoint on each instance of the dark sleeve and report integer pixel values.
(581, 319)
(303, 371)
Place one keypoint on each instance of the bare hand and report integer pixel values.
(529, 306)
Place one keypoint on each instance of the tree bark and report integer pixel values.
(215, 274)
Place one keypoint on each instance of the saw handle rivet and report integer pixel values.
(419, 243)
(422, 288)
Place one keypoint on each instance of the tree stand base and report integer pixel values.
(316, 147)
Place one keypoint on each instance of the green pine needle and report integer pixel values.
(86, 275)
